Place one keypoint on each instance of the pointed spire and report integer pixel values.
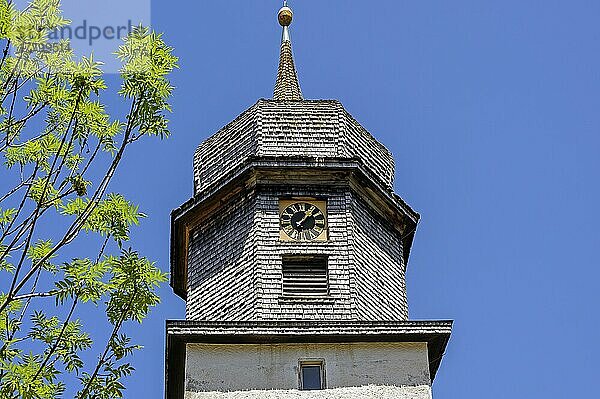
(287, 87)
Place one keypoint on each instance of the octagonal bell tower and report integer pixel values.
(295, 242)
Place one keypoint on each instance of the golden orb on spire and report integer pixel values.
(285, 16)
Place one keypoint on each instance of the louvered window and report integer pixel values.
(305, 276)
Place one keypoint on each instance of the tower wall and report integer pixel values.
(338, 305)
(222, 271)
(377, 259)
(237, 368)
(236, 260)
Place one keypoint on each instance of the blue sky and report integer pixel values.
(491, 109)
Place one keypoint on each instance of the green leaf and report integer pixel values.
(57, 140)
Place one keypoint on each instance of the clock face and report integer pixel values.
(303, 221)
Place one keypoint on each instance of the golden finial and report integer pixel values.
(285, 15)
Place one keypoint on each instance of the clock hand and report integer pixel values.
(307, 214)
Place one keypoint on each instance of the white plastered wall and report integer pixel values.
(360, 370)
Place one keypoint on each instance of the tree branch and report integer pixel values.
(13, 287)
(81, 220)
(102, 360)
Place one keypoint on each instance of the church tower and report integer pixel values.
(292, 256)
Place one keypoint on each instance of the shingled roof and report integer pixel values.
(316, 129)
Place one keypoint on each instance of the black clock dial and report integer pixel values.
(303, 221)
